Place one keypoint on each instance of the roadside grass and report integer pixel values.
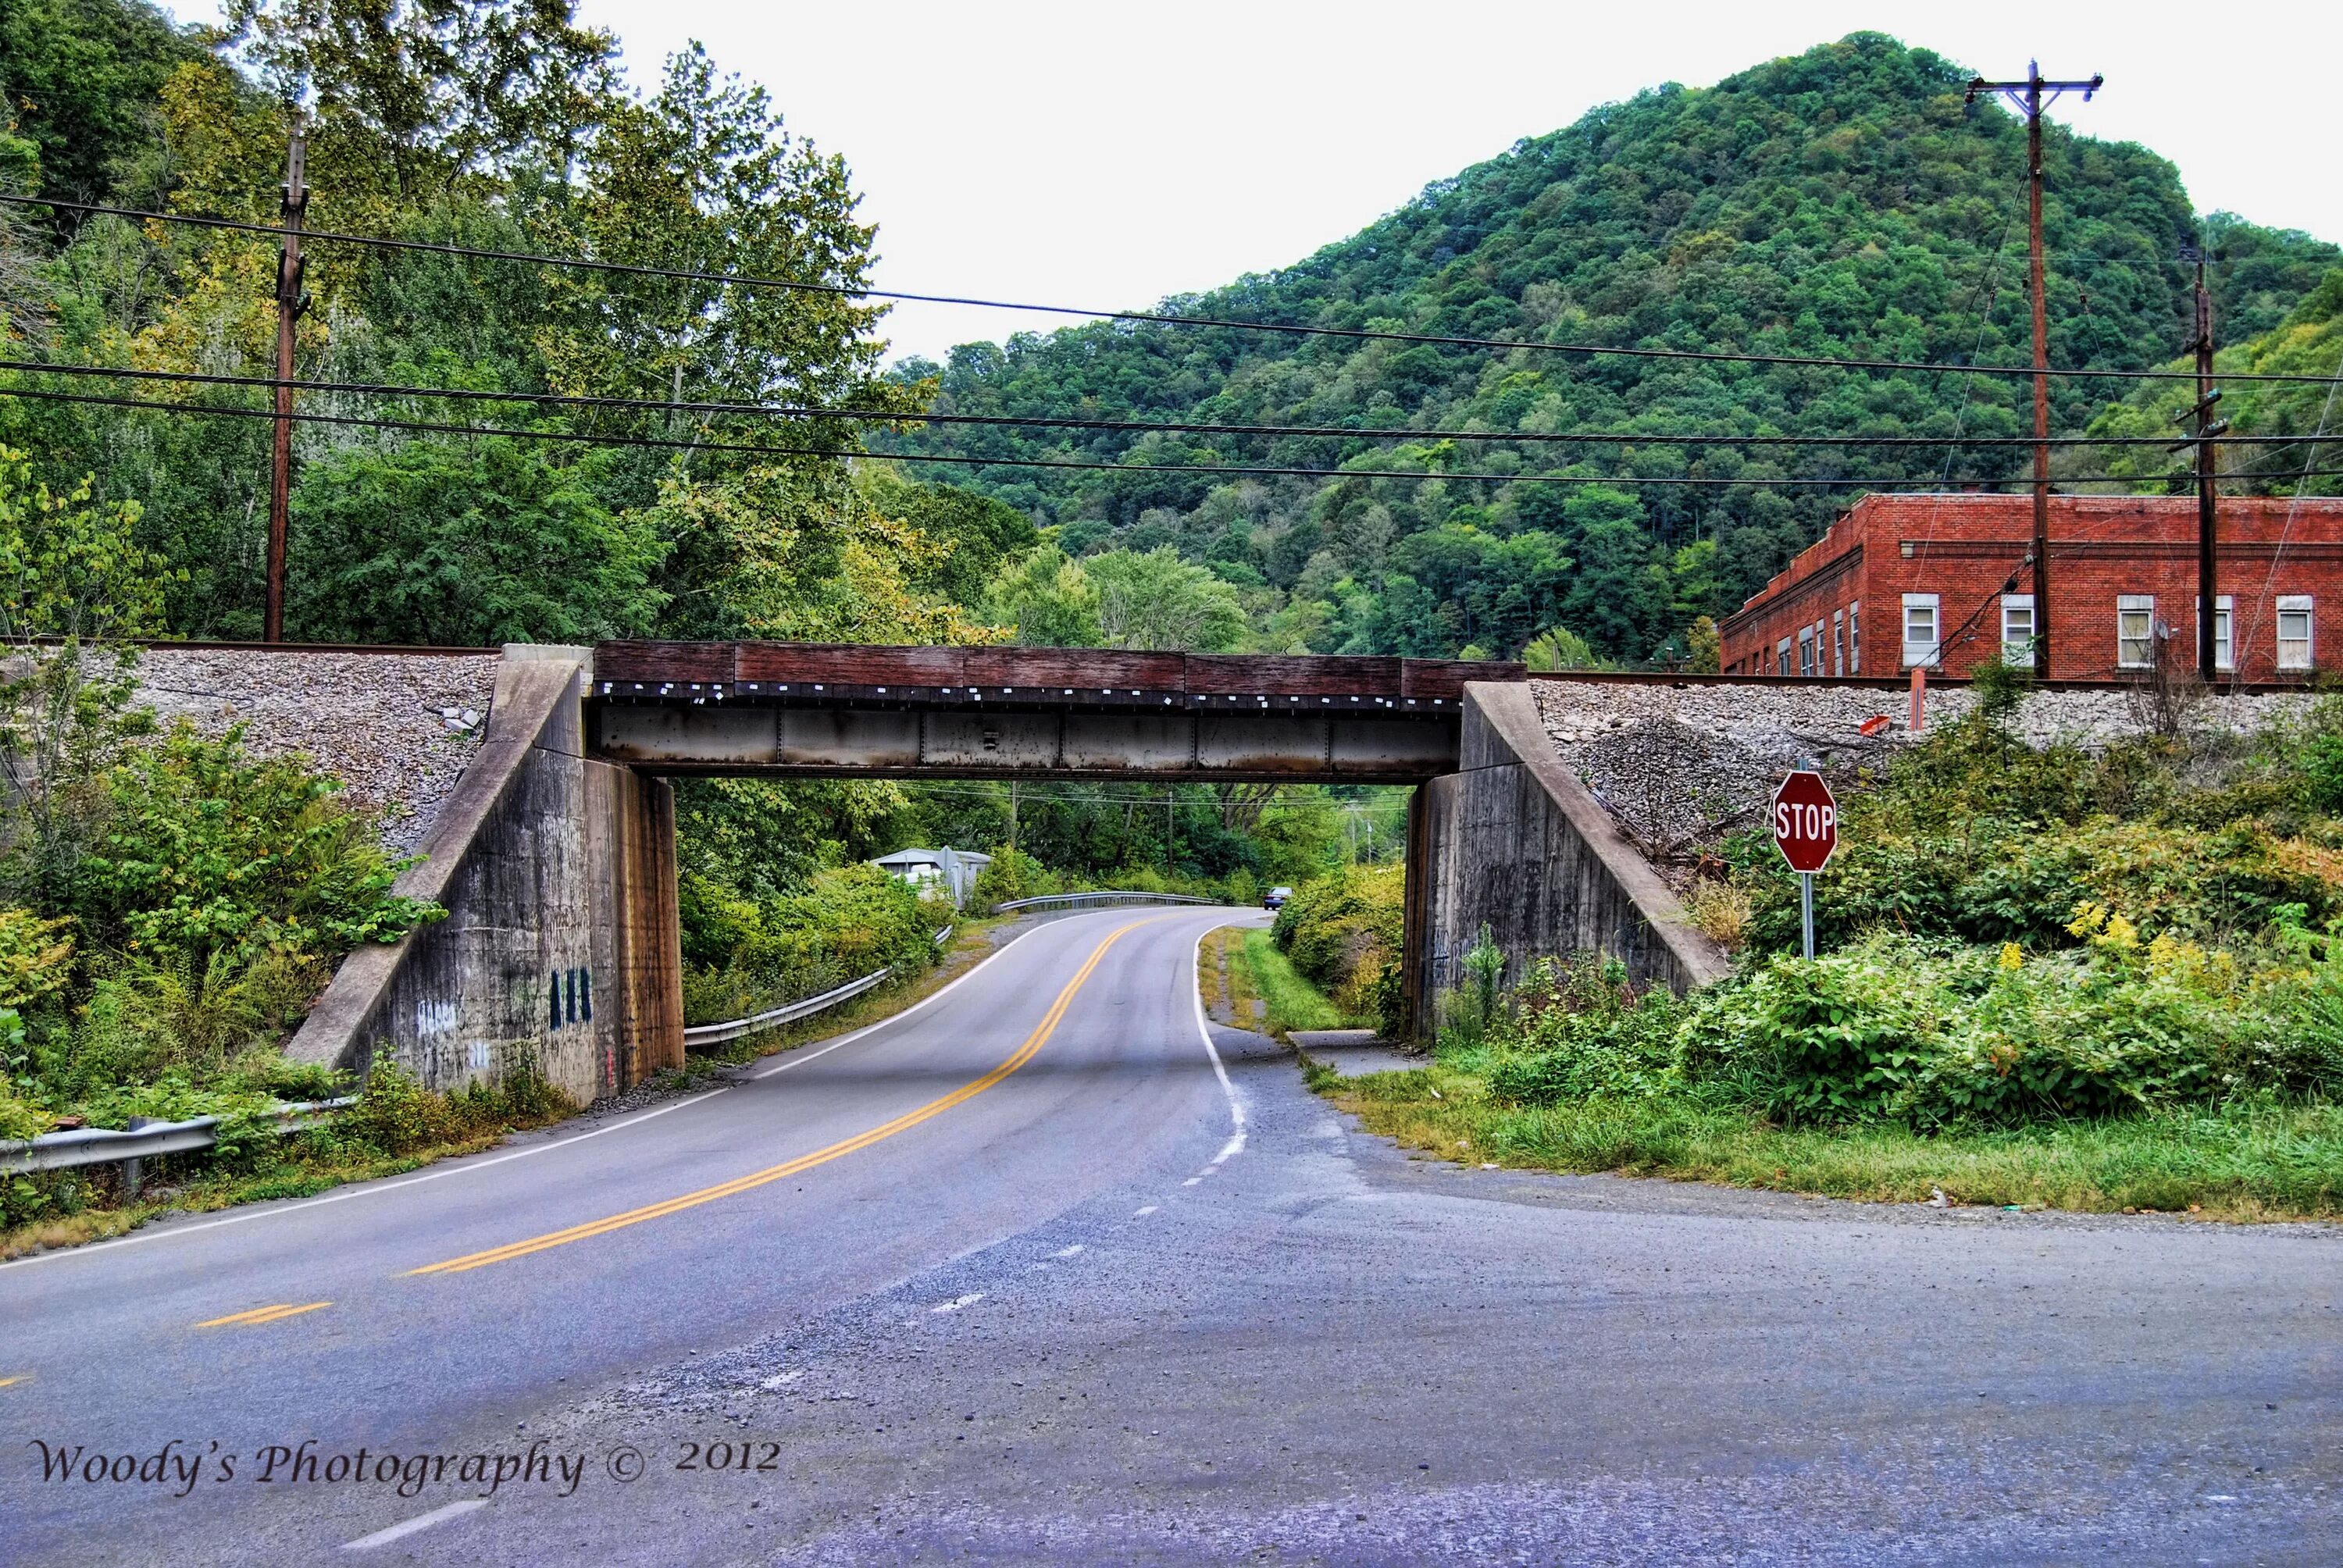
(1259, 969)
(314, 1162)
(1217, 979)
(2247, 1163)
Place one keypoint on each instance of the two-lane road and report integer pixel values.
(1027, 1274)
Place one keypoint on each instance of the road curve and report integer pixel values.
(1024, 1275)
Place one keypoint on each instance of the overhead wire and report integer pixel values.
(1144, 317)
(588, 438)
(1141, 427)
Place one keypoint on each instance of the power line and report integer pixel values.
(1175, 426)
(430, 427)
(854, 291)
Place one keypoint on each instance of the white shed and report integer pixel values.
(956, 871)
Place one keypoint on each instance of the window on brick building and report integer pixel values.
(1920, 628)
(2134, 630)
(1838, 643)
(1805, 650)
(1782, 656)
(1854, 639)
(2293, 649)
(2017, 629)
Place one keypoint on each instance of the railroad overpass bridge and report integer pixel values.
(555, 855)
(814, 711)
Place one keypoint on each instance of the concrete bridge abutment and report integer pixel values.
(1513, 843)
(560, 953)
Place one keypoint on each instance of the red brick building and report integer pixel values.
(1903, 580)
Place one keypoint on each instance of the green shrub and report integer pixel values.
(1344, 929)
(852, 921)
(209, 851)
(1930, 1033)
(1579, 1030)
(1012, 874)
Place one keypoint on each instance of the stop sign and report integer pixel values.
(1805, 822)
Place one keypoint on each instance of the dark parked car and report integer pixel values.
(1275, 898)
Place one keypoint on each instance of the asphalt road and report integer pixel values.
(1020, 1277)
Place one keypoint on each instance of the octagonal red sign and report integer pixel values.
(1805, 822)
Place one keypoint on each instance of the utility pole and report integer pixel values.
(2028, 98)
(289, 302)
(2207, 470)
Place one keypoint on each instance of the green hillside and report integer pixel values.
(1845, 202)
(2308, 342)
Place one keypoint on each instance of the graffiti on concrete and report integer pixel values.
(571, 998)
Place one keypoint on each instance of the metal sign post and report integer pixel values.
(1806, 829)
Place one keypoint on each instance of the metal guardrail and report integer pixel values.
(104, 1146)
(790, 1013)
(1096, 900)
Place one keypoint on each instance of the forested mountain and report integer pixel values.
(1845, 202)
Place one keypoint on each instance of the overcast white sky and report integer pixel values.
(1108, 155)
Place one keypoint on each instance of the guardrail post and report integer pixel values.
(133, 1168)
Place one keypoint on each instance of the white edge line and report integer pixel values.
(463, 1167)
(408, 1527)
(367, 1189)
(1205, 1030)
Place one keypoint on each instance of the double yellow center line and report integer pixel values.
(754, 1179)
(258, 1315)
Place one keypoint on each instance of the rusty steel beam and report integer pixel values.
(1370, 745)
(1107, 676)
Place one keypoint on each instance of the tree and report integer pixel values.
(701, 176)
(1619, 596)
(800, 552)
(1047, 599)
(82, 77)
(466, 544)
(71, 571)
(1559, 648)
(414, 102)
(1156, 600)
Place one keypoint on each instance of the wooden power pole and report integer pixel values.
(288, 312)
(2208, 494)
(2028, 95)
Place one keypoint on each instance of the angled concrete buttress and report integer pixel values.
(561, 947)
(1515, 841)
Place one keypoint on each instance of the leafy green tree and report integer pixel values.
(800, 553)
(976, 533)
(1156, 600)
(71, 567)
(465, 544)
(1560, 648)
(1619, 596)
(69, 570)
(1048, 600)
(413, 101)
(701, 176)
(82, 78)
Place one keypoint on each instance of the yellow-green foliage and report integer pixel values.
(850, 921)
(34, 957)
(1343, 931)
